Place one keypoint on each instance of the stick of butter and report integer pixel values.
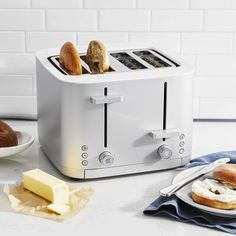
(58, 208)
(46, 186)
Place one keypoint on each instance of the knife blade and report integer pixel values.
(168, 191)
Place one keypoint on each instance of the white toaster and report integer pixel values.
(135, 118)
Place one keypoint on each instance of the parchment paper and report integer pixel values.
(26, 202)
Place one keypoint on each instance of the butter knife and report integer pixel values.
(168, 191)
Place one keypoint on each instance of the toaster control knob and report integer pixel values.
(106, 158)
(164, 151)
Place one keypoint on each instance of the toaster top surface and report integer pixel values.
(141, 61)
(125, 60)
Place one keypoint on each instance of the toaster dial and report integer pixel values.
(106, 158)
(164, 151)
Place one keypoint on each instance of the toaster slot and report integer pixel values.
(128, 61)
(53, 60)
(151, 59)
(84, 58)
(164, 107)
(105, 120)
(84, 71)
(162, 55)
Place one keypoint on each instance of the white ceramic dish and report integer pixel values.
(185, 195)
(24, 141)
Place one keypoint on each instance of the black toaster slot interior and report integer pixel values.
(151, 59)
(164, 107)
(128, 61)
(55, 65)
(105, 119)
(176, 64)
(84, 71)
(84, 58)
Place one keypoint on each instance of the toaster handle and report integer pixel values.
(106, 99)
(168, 133)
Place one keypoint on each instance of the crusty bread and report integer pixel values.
(226, 173)
(97, 57)
(213, 203)
(8, 137)
(70, 59)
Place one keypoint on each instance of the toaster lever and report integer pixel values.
(106, 99)
(168, 133)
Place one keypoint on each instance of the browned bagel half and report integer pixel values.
(70, 59)
(213, 203)
(8, 137)
(97, 57)
(226, 173)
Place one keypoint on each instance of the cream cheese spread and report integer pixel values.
(212, 189)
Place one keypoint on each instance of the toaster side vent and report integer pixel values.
(164, 107)
(128, 61)
(105, 120)
(151, 59)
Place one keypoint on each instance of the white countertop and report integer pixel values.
(117, 205)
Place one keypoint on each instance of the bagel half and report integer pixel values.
(212, 193)
(213, 203)
(97, 57)
(70, 59)
(226, 173)
(8, 136)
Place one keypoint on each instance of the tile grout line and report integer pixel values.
(204, 21)
(45, 20)
(128, 37)
(181, 43)
(198, 110)
(150, 20)
(189, 6)
(77, 37)
(233, 44)
(25, 45)
(98, 20)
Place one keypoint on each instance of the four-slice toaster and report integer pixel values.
(135, 118)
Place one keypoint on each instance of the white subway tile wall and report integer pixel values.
(124, 20)
(41, 40)
(163, 4)
(22, 20)
(56, 4)
(202, 32)
(71, 20)
(109, 4)
(177, 20)
(14, 4)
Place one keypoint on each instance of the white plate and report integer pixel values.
(24, 141)
(185, 195)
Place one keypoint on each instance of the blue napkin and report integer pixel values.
(176, 208)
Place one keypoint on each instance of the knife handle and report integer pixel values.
(170, 190)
